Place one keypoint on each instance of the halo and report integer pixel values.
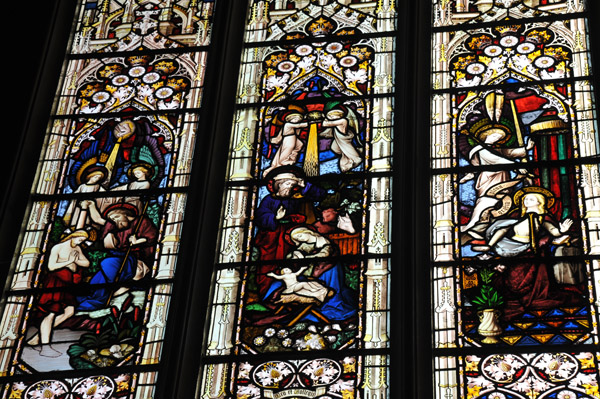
(120, 205)
(88, 168)
(518, 197)
(484, 128)
(144, 165)
(288, 233)
(286, 172)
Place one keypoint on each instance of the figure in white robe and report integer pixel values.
(93, 177)
(341, 130)
(484, 155)
(290, 144)
(140, 174)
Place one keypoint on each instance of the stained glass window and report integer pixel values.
(91, 282)
(514, 148)
(301, 280)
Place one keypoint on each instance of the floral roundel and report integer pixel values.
(304, 50)
(544, 62)
(556, 366)
(46, 389)
(509, 41)
(286, 66)
(493, 50)
(99, 387)
(334, 48)
(503, 368)
(476, 68)
(348, 61)
(526, 48)
(320, 372)
(274, 375)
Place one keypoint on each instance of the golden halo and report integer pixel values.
(145, 165)
(484, 128)
(518, 197)
(90, 166)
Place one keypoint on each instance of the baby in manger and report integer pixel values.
(300, 291)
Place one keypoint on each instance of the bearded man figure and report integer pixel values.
(289, 203)
(130, 240)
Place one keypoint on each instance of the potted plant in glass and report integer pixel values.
(488, 302)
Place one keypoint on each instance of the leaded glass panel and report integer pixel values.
(514, 232)
(86, 304)
(303, 265)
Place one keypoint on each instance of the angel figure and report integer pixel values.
(140, 175)
(289, 143)
(342, 126)
(485, 145)
(90, 180)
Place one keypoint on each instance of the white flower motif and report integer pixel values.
(282, 333)
(480, 381)
(526, 48)
(334, 48)
(272, 373)
(137, 71)
(509, 41)
(101, 97)
(46, 390)
(285, 66)
(348, 61)
(502, 368)
(274, 81)
(566, 395)
(303, 50)
(94, 388)
(307, 63)
(496, 395)
(120, 80)
(359, 76)
(544, 61)
(269, 332)
(248, 392)
(557, 366)
(164, 92)
(493, 50)
(342, 385)
(476, 68)
(151, 77)
(582, 379)
(321, 371)
(244, 371)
